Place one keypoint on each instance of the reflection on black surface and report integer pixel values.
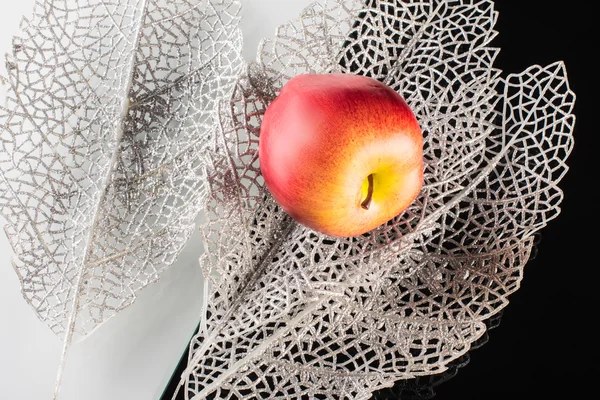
(423, 387)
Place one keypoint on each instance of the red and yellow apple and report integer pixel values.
(341, 153)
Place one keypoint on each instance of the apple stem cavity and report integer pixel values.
(367, 201)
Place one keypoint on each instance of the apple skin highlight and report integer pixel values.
(324, 135)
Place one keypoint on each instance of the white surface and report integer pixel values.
(131, 356)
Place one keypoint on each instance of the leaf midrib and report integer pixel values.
(104, 187)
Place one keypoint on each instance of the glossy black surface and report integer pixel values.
(543, 347)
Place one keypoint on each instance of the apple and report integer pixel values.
(341, 153)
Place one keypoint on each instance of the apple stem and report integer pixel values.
(367, 202)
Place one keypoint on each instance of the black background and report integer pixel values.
(545, 344)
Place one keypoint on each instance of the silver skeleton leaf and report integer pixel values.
(296, 314)
(109, 106)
